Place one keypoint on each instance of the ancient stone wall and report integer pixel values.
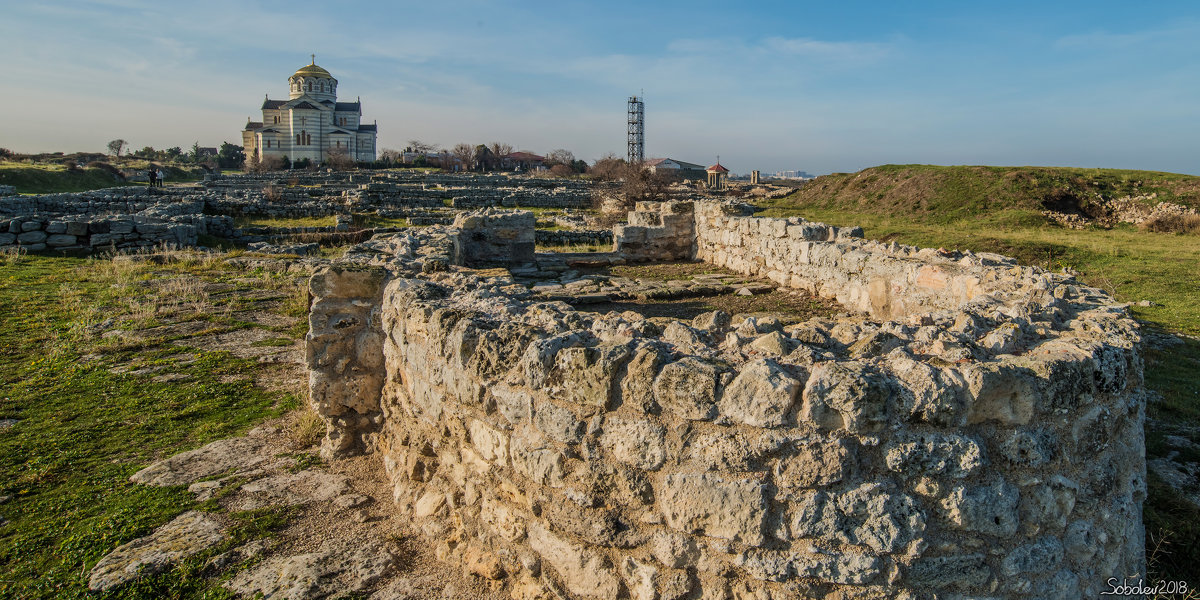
(657, 231)
(985, 441)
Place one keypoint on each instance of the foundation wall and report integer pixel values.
(986, 443)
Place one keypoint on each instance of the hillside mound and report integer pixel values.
(942, 194)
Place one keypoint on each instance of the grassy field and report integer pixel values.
(104, 369)
(261, 221)
(996, 209)
(54, 179)
(51, 179)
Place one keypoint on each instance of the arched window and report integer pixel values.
(309, 86)
(276, 118)
(322, 86)
(297, 139)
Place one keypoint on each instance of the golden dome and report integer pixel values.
(312, 70)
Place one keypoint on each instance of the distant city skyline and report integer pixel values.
(771, 86)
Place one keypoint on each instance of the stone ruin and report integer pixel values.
(131, 218)
(974, 429)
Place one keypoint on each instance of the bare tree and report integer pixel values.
(607, 168)
(421, 147)
(560, 156)
(116, 146)
(338, 159)
(464, 154)
(256, 164)
(500, 149)
(390, 156)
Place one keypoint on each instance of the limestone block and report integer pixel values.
(733, 509)
(587, 373)
(962, 572)
(852, 569)
(32, 237)
(558, 423)
(1001, 392)
(54, 227)
(674, 550)
(813, 463)
(637, 387)
(991, 509)
(639, 443)
(934, 454)
(887, 521)
(28, 226)
(640, 579)
(761, 395)
(845, 396)
(7, 238)
(60, 240)
(1050, 503)
(1043, 555)
(583, 571)
(688, 388)
(491, 443)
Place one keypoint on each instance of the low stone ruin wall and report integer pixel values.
(976, 444)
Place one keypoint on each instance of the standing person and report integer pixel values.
(151, 176)
(160, 177)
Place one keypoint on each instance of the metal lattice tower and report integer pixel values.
(636, 131)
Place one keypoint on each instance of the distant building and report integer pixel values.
(311, 122)
(792, 175)
(674, 167)
(717, 175)
(523, 161)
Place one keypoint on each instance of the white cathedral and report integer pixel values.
(311, 123)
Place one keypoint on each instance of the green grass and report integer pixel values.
(52, 179)
(84, 427)
(942, 195)
(261, 221)
(374, 221)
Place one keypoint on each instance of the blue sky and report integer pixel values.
(820, 87)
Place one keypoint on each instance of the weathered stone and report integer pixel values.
(583, 571)
(185, 535)
(688, 388)
(216, 458)
(712, 322)
(1001, 393)
(302, 487)
(732, 509)
(674, 550)
(853, 569)
(814, 463)
(933, 454)
(587, 373)
(638, 443)
(761, 395)
(887, 521)
(334, 569)
(845, 396)
(991, 510)
(557, 423)
(1040, 556)
(637, 387)
(964, 572)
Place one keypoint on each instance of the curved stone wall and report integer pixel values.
(986, 440)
